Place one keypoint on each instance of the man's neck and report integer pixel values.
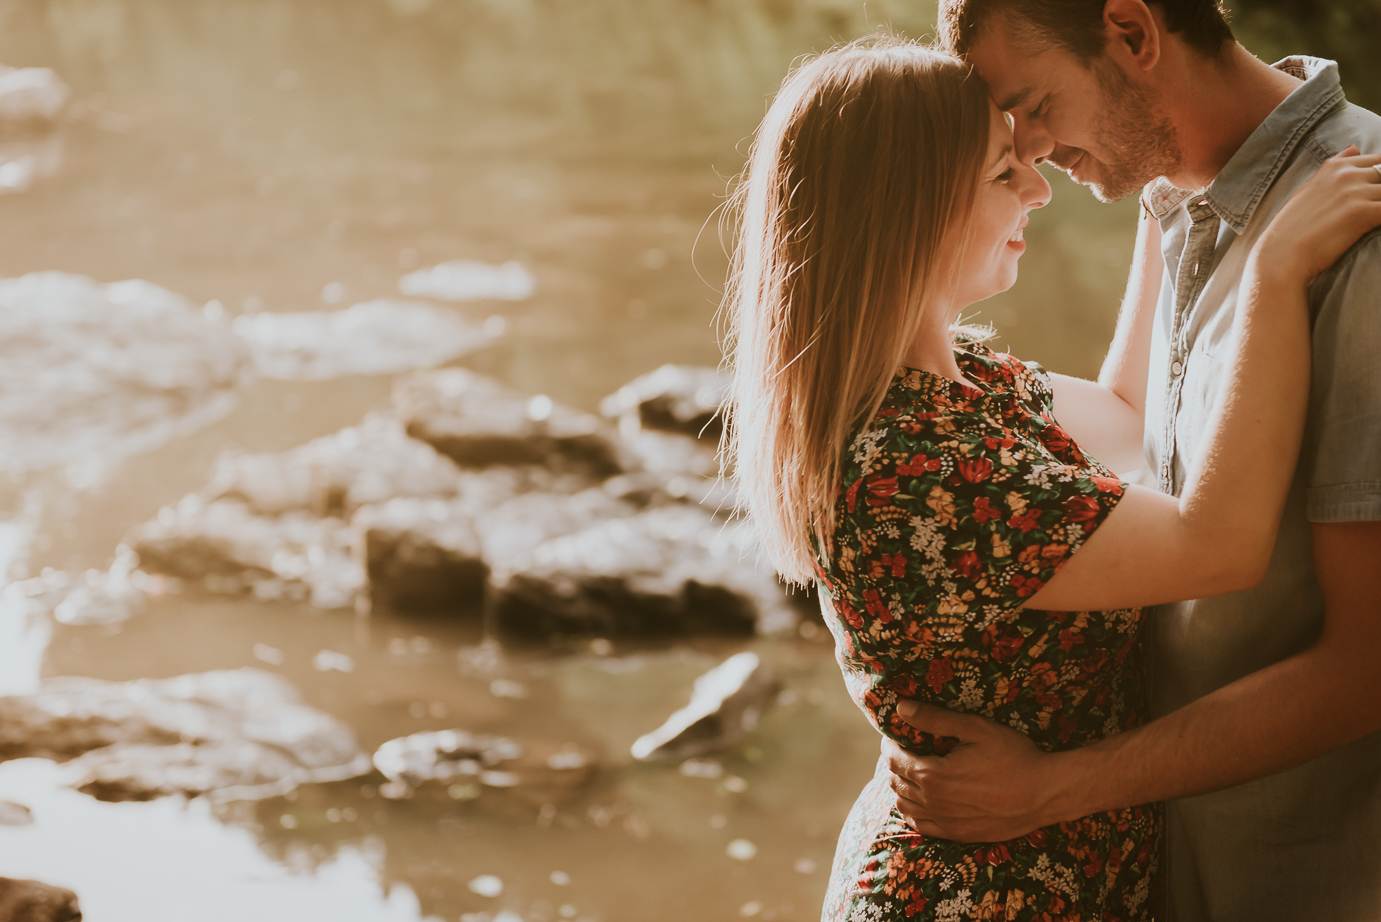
(1216, 104)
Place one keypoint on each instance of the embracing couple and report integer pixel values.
(1056, 748)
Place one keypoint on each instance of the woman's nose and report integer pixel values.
(1035, 188)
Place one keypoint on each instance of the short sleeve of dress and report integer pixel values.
(1342, 446)
(953, 519)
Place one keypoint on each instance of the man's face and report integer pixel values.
(1092, 122)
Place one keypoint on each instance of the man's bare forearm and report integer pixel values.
(1271, 720)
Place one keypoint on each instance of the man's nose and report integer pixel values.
(1031, 142)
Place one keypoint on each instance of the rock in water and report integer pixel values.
(31, 94)
(422, 555)
(373, 338)
(466, 280)
(93, 597)
(93, 370)
(674, 398)
(725, 707)
(669, 426)
(32, 901)
(238, 733)
(228, 548)
(450, 756)
(334, 475)
(665, 571)
(478, 422)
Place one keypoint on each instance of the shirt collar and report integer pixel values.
(1239, 187)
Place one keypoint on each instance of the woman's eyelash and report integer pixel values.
(1005, 175)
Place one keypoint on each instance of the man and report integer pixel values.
(1273, 690)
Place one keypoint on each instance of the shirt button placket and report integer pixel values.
(1193, 271)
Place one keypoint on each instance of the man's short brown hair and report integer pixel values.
(1077, 25)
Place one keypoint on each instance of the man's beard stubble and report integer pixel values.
(1138, 140)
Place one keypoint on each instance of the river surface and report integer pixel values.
(290, 155)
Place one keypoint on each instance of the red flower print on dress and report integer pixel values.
(939, 673)
(918, 465)
(966, 564)
(875, 606)
(881, 490)
(976, 471)
(1082, 509)
(983, 510)
(1026, 522)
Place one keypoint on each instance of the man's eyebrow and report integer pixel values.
(1012, 100)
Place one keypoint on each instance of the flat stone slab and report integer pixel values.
(423, 555)
(31, 94)
(227, 548)
(95, 597)
(336, 474)
(665, 571)
(478, 422)
(460, 757)
(468, 280)
(92, 371)
(236, 734)
(373, 338)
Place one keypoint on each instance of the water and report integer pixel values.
(290, 155)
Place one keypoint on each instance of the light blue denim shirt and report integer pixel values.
(1304, 844)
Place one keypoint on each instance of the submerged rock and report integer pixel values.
(674, 398)
(238, 733)
(24, 160)
(725, 707)
(33, 901)
(94, 597)
(478, 422)
(373, 338)
(450, 756)
(665, 571)
(466, 280)
(334, 475)
(422, 555)
(95, 371)
(31, 94)
(227, 548)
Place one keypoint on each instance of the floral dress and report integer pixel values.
(957, 504)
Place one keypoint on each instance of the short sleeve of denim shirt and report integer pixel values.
(1342, 448)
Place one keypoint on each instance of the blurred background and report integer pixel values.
(260, 160)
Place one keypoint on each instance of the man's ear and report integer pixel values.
(1134, 32)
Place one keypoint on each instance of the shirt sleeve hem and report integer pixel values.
(1349, 502)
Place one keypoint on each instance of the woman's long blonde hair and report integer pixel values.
(866, 163)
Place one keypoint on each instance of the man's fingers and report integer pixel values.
(938, 721)
(903, 764)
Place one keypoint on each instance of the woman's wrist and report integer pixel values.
(1275, 265)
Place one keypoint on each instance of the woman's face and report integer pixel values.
(1007, 191)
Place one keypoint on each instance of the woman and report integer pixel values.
(924, 482)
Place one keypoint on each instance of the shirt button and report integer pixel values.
(1176, 369)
